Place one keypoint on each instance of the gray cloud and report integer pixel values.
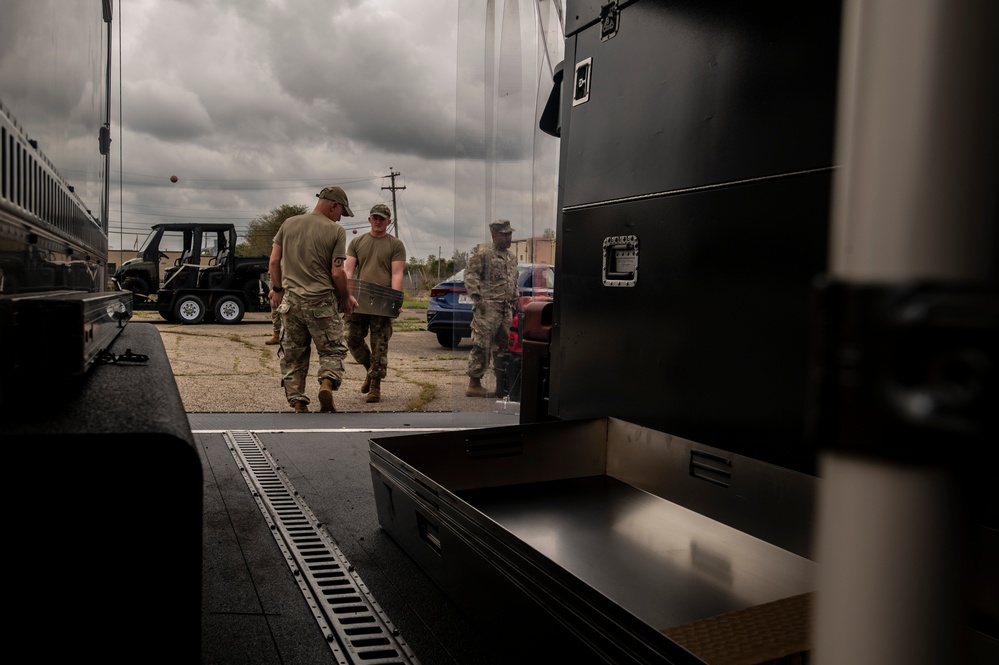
(165, 111)
(257, 103)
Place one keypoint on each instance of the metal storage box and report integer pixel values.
(695, 175)
(61, 333)
(375, 299)
(602, 540)
(694, 190)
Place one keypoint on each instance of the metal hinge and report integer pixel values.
(610, 17)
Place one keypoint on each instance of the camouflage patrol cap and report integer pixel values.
(381, 210)
(335, 193)
(501, 226)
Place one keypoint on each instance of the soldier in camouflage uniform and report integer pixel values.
(379, 258)
(491, 282)
(310, 291)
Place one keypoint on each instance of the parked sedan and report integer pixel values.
(449, 314)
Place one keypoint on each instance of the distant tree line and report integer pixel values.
(260, 233)
(422, 274)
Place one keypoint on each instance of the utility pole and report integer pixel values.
(395, 218)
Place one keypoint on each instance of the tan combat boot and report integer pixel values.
(475, 388)
(366, 386)
(326, 397)
(374, 390)
(276, 339)
(301, 407)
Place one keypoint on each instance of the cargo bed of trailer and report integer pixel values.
(296, 568)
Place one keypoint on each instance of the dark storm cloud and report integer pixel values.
(168, 113)
(255, 104)
(385, 79)
(240, 92)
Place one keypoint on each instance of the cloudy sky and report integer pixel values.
(257, 103)
(254, 104)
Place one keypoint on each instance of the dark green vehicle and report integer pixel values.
(206, 281)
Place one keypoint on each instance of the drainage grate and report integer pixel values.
(355, 627)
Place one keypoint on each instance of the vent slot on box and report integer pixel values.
(714, 469)
(493, 446)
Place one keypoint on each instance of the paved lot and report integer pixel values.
(229, 369)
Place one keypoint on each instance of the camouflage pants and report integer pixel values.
(306, 322)
(276, 320)
(380, 329)
(490, 333)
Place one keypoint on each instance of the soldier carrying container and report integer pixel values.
(378, 258)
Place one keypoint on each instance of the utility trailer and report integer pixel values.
(605, 524)
(208, 281)
(660, 500)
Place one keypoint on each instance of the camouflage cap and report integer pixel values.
(334, 193)
(501, 226)
(381, 210)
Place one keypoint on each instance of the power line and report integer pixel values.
(246, 185)
(137, 206)
(199, 217)
(200, 213)
(292, 182)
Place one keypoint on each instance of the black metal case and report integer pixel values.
(696, 168)
(375, 299)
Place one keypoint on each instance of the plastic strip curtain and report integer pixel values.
(505, 167)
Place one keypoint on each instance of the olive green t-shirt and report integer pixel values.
(309, 243)
(375, 257)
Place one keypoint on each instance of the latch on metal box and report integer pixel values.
(621, 261)
(581, 82)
